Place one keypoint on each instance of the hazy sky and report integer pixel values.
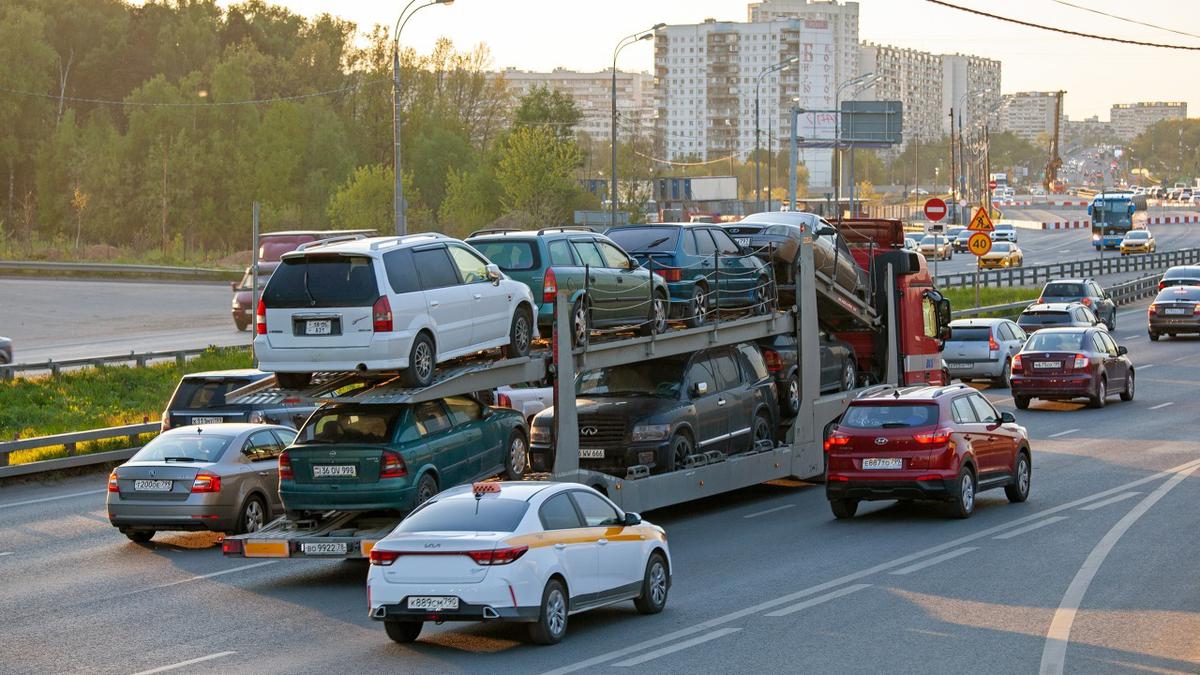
(543, 34)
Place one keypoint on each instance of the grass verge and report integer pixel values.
(964, 298)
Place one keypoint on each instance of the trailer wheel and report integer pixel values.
(403, 631)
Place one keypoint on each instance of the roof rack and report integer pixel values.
(567, 228)
(331, 240)
(494, 230)
(874, 390)
(950, 387)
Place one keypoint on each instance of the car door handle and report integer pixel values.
(434, 303)
(478, 296)
(720, 401)
(602, 541)
(264, 473)
(559, 547)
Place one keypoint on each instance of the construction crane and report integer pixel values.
(1052, 184)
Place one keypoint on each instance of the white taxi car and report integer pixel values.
(533, 552)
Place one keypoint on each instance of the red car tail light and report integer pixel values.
(1161, 285)
(503, 401)
(498, 556)
(549, 286)
(670, 273)
(1087, 302)
(1081, 361)
(836, 440)
(260, 318)
(992, 344)
(1016, 364)
(381, 315)
(775, 362)
(285, 467)
(935, 437)
(1152, 310)
(112, 482)
(383, 558)
(231, 546)
(1195, 310)
(206, 482)
(392, 466)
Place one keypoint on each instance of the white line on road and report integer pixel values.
(1054, 654)
(1145, 366)
(189, 662)
(1111, 500)
(5, 553)
(1162, 405)
(52, 499)
(649, 656)
(819, 599)
(1062, 433)
(1183, 358)
(1130, 337)
(763, 513)
(935, 560)
(214, 574)
(1030, 528)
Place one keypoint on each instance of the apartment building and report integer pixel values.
(910, 76)
(970, 85)
(592, 92)
(1029, 114)
(1130, 119)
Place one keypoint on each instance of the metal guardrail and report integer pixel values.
(70, 442)
(190, 273)
(1089, 267)
(1122, 293)
(8, 371)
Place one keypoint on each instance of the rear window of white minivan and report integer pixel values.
(323, 281)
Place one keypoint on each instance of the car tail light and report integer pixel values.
(1016, 364)
(775, 363)
(392, 466)
(206, 482)
(381, 315)
(260, 318)
(670, 273)
(503, 401)
(992, 344)
(1081, 361)
(231, 546)
(383, 558)
(497, 556)
(836, 440)
(1087, 302)
(929, 476)
(1038, 301)
(112, 482)
(549, 286)
(935, 437)
(1152, 310)
(1161, 285)
(1195, 309)
(285, 467)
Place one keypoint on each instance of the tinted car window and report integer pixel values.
(430, 418)
(1044, 318)
(984, 410)
(704, 242)
(726, 371)
(196, 393)
(1098, 344)
(613, 256)
(285, 437)
(689, 242)
(699, 372)
(963, 412)
(261, 445)
(1109, 343)
(509, 255)
(596, 511)
(558, 513)
(782, 230)
(400, 272)
(969, 333)
(890, 416)
(435, 268)
(471, 268)
(463, 409)
(199, 447)
(1060, 289)
(588, 255)
(724, 243)
(323, 281)
(660, 377)
(350, 425)
(645, 239)
(753, 362)
(560, 253)
(1055, 342)
(466, 515)
(1186, 293)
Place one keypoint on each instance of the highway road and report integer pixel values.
(1094, 574)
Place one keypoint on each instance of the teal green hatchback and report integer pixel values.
(392, 457)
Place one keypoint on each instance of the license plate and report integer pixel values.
(153, 485)
(742, 241)
(208, 420)
(335, 470)
(1047, 364)
(433, 603)
(591, 453)
(959, 366)
(1176, 312)
(321, 327)
(324, 548)
(883, 463)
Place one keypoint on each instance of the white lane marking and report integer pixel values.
(214, 574)
(5, 553)
(763, 513)
(935, 560)
(1054, 654)
(819, 599)
(649, 656)
(1162, 405)
(1062, 433)
(1145, 366)
(1111, 500)
(27, 502)
(1030, 528)
(1130, 337)
(189, 662)
(1182, 358)
(854, 576)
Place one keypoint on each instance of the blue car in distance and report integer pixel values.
(704, 268)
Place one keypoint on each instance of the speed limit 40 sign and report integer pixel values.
(980, 244)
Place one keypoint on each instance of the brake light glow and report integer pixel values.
(1087, 302)
(1016, 364)
(836, 440)
(112, 482)
(392, 466)
(231, 546)
(503, 401)
(936, 437)
(549, 286)
(1081, 361)
(1161, 285)
(670, 273)
(206, 482)
(285, 467)
(992, 344)
(381, 315)
(383, 558)
(497, 556)
(1152, 310)
(775, 362)
(260, 318)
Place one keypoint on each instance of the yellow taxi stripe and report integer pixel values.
(585, 535)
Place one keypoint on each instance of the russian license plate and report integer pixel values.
(153, 485)
(334, 471)
(208, 420)
(433, 603)
(319, 327)
(324, 548)
(742, 241)
(883, 463)
(959, 366)
(591, 453)
(1175, 312)
(1047, 364)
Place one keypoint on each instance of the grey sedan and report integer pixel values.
(983, 348)
(223, 478)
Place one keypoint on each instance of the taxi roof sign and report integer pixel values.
(485, 488)
(981, 222)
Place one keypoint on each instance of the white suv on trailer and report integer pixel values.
(387, 303)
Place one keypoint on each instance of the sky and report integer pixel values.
(544, 34)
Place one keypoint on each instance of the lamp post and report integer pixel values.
(612, 174)
(398, 188)
(782, 65)
(958, 190)
(862, 81)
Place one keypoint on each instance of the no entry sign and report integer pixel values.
(935, 209)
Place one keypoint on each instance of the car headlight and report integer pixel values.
(651, 432)
(539, 435)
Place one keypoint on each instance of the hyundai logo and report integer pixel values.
(881, 441)
(588, 431)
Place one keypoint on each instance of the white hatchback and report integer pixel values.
(532, 552)
(387, 303)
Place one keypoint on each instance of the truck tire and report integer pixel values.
(422, 361)
(655, 586)
(293, 380)
(403, 632)
(520, 334)
(551, 624)
(516, 456)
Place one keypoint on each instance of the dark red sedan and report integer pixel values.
(1060, 364)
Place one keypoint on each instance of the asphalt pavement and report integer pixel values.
(1101, 559)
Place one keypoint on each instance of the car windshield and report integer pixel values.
(1139, 234)
(931, 240)
(1179, 293)
(488, 514)
(1182, 273)
(1001, 247)
(197, 393)
(510, 256)
(889, 416)
(645, 239)
(1043, 318)
(955, 231)
(184, 447)
(661, 377)
(970, 333)
(350, 425)
(1004, 226)
(787, 218)
(248, 280)
(782, 230)
(1055, 342)
(272, 248)
(1063, 290)
(323, 281)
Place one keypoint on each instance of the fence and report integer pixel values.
(1089, 267)
(1121, 294)
(70, 442)
(8, 371)
(182, 273)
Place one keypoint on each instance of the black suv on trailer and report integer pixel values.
(203, 398)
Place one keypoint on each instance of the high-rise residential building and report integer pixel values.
(1130, 119)
(592, 92)
(1029, 114)
(910, 76)
(1090, 128)
(975, 82)
(841, 17)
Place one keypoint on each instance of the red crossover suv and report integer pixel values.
(942, 443)
(1059, 364)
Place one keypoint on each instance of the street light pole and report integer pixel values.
(776, 67)
(398, 187)
(612, 173)
(861, 80)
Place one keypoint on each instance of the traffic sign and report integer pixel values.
(980, 244)
(991, 185)
(935, 209)
(981, 222)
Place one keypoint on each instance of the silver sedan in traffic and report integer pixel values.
(220, 477)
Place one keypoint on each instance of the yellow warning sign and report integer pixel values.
(980, 244)
(981, 222)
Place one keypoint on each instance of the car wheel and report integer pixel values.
(657, 322)
(678, 452)
(252, 516)
(421, 363)
(293, 380)
(516, 460)
(581, 325)
(1018, 490)
(1005, 379)
(427, 487)
(1153, 337)
(138, 536)
(843, 509)
(762, 296)
(1127, 395)
(403, 631)
(698, 307)
(964, 502)
(241, 325)
(520, 334)
(655, 585)
(791, 396)
(551, 624)
(849, 376)
(762, 431)
(1101, 396)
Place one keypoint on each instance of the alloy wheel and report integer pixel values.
(424, 361)
(517, 454)
(793, 394)
(580, 323)
(660, 314)
(253, 519)
(658, 583)
(521, 333)
(556, 612)
(968, 493)
(1023, 475)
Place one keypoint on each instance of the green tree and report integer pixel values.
(536, 174)
(365, 201)
(543, 106)
(472, 201)
(27, 64)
